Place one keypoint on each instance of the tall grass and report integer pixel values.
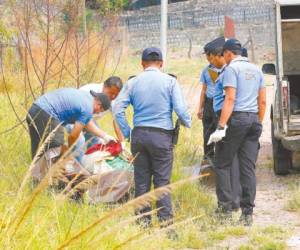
(43, 219)
(52, 221)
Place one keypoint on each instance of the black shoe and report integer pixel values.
(224, 216)
(172, 234)
(246, 220)
(77, 197)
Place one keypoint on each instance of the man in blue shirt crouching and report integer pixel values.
(50, 112)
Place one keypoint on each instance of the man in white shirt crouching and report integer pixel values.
(111, 87)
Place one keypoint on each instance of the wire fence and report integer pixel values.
(198, 18)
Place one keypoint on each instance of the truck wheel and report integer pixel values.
(281, 156)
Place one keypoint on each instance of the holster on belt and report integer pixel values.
(176, 132)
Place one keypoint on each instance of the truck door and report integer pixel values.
(289, 67)
(278, 105)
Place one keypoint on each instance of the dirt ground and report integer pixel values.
(272, 191)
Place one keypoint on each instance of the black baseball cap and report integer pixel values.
(233, 45)
(152, 54)
(105, 101)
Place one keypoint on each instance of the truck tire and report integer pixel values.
(281, 156)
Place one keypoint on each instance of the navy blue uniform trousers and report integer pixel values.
(210, 122)
(153, 152)
(235, 178)
(241, 140)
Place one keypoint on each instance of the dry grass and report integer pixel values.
(43, 219)
(51, 221)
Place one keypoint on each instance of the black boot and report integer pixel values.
(223, 216)
(246, 220)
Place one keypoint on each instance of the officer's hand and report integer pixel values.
(200, 114)
(107, 138)
(216, 136)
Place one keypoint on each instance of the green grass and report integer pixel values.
(269, 238)
(50, 222)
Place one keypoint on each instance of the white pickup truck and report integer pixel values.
(285, 113)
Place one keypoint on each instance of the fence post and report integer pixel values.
(163, 29)
(252, 45)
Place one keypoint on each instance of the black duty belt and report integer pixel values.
(243, 112)
(154, 129)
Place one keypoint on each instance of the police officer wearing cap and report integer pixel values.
(239, 129)
(154, 96)
(205, 110)
(218, 61)
(53, 110)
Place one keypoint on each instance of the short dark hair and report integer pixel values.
(113, 81)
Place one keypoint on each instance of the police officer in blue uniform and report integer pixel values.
(218, 61)
(154, 96)
(239, 129)
(205, 111)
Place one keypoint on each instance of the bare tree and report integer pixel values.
(54, 51)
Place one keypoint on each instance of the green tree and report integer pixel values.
(107, 5)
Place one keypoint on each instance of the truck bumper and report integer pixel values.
(291, 143)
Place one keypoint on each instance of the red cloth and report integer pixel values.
(114, 148)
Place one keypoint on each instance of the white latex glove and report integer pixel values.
(216, 136)
(107, 138)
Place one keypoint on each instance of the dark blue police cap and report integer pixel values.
(206, 49)
(233, 45)
(152, 54)
(216, 45)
